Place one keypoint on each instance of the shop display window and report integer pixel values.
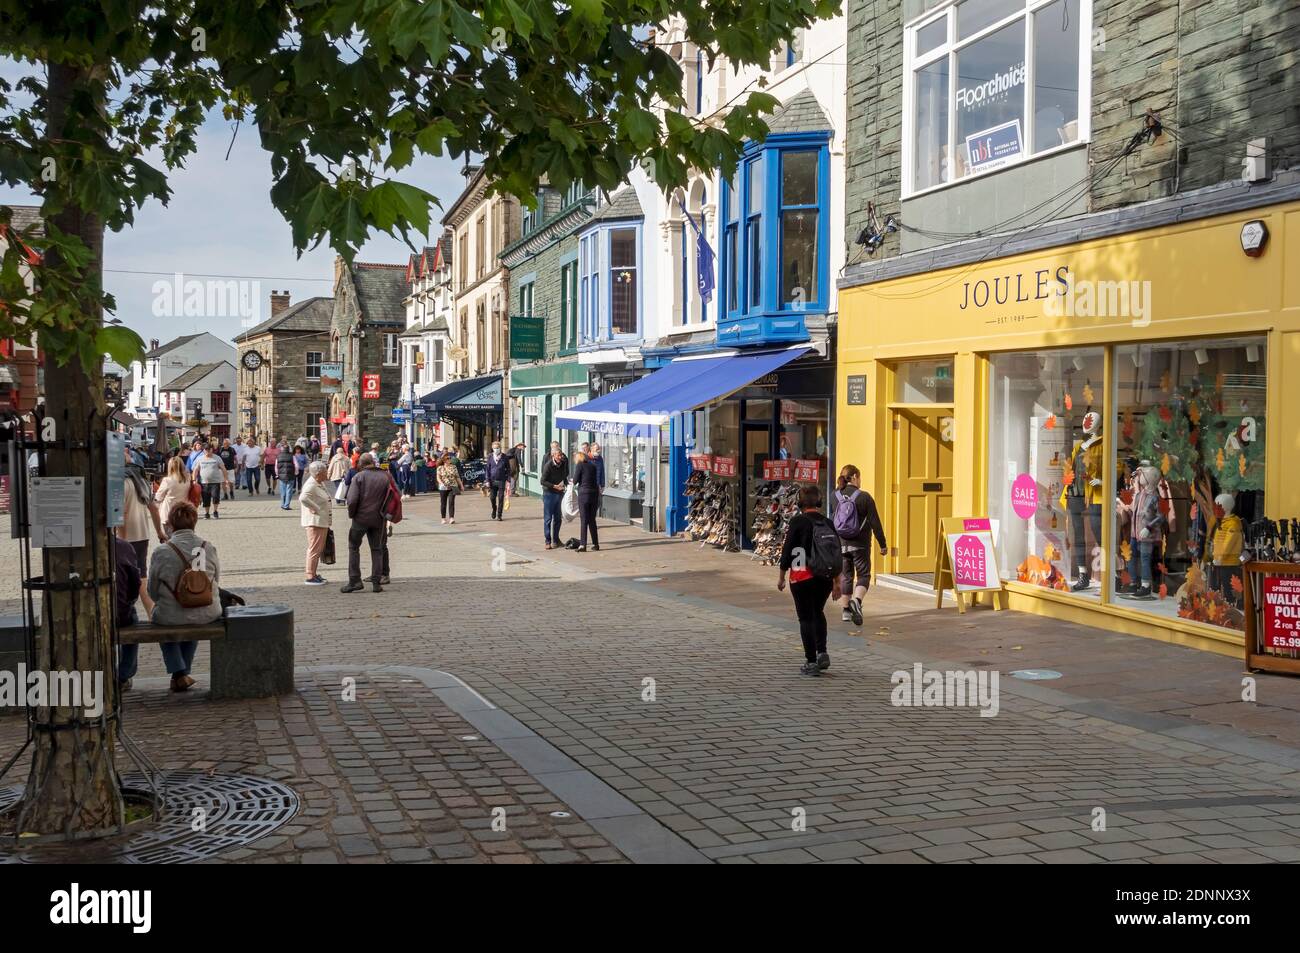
(1045, 468)
(1189, 420)
(924, 382)
(625, 462)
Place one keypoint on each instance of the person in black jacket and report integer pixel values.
(809, 588)
(856, 548)
(587, 479)
(554, 476)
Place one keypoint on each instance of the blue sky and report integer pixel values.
(220, 221)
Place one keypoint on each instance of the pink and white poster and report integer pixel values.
(1024, 496)
(971, 554)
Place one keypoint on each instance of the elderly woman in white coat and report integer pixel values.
(317, 512)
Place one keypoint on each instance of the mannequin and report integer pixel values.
(1081, 497)
(1228, 538)
(1145, 531)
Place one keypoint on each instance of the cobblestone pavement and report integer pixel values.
(736, 747)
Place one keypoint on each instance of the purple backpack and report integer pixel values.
(846, 521)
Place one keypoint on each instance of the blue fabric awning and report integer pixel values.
(642, 407)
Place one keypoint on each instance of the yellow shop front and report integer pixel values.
(1124, 410)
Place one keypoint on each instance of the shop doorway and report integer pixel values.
(757, 449)
(921, 471)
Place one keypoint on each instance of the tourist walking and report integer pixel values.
(253, 466)
(498, 475)
(554, 477)
(271, 463)
(227, 455)
(213, 478)
(286, 473)
(856, 520)
(586, 479)
(338, 467)
(599, 462)
(404, 460)
(185, 551)
(449, 485)
(366, 495)
(812, 558)
(174, 488)
(317, 513)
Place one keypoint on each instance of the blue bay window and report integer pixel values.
(775, 240)
(609, 282)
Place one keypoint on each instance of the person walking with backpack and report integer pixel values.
(856, 521)
(812, 558)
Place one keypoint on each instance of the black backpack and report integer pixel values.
(826, 558)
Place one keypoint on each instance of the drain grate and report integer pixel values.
(230, 810)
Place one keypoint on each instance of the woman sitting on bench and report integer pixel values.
(184, 551)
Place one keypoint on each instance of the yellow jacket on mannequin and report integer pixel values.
(1091, 465)
(1228, 539)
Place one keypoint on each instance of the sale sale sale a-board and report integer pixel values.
(966, 560)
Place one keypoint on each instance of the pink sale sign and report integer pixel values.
(1024, 496)
(970, 567)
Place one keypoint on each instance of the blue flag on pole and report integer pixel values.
(703, 258)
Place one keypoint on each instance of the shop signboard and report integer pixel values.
(1280, 596)
(527, 338)
(807, 471)
(1024, 496)
(370, 386)
(995, 147)
(966, 560)
(778, 469)
(724, 466)
(857, 390)
(331, 377)
(701, 461)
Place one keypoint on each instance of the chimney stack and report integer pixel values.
(153, 344)
(279, 301)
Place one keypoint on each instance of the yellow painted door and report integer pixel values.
(922, 487)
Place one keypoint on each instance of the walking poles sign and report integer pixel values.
(965, 561)
(1272, 595)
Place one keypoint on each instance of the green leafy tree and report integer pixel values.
(343, 95)
(1166, 440)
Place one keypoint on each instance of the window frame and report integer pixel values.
(320, 357)
(568, 304)
(596, 298)
(734, 265)
(212, 401)
(392, 349)
(950, 48)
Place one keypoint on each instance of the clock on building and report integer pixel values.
(251, 360)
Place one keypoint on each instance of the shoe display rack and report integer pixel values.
(711, 519)
(774, 505)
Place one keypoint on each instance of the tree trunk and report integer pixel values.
(73, 788)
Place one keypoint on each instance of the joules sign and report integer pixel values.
(1037, 285)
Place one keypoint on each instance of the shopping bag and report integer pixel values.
(569, 505)
(327, 555)
(341, 494)
(195, 493)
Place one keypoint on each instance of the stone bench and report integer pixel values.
(252, 649)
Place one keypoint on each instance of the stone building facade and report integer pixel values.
(283, 397)
(368, 319)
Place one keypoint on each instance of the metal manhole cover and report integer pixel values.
(234, 809)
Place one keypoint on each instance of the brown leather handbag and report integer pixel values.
(193, 589)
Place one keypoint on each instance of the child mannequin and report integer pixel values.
(1146, 529)
(1228, 538)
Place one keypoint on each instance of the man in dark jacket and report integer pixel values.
(366, 495)
(287, 475)
(554, 476)
(499, 473)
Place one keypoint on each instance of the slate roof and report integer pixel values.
(381, 292)
(623, 204)
(310, 314)
(194, 375)
(801, 114)
(173, 344)
(432, 325)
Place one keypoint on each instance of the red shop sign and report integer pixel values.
(370, 386)
(807, 471)
(701, 461)
(777, 469)
(724, 466)
(1281, 598)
